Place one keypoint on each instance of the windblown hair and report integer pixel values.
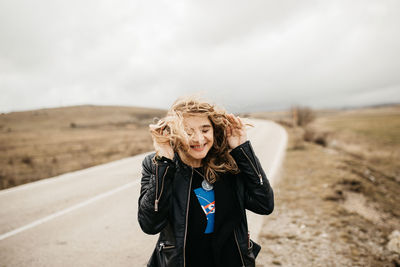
(171, 129)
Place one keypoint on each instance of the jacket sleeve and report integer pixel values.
(155, 194)
(258, 194)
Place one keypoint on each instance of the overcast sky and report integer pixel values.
(244, 55)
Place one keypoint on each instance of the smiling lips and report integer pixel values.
(198, 147)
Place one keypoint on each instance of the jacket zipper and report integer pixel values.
(164, 246)
(162, 187)
(240, 252)
(186, 220)
(254, 168)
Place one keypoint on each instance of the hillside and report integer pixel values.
(47, 142)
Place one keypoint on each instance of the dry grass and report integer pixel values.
(369, 134)
(44, 143)
(380, 126)
(338, 202)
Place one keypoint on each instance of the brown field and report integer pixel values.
(48, 142)
(337, 201)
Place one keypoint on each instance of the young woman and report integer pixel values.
(197, 185)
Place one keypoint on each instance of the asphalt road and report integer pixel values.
(89, 217)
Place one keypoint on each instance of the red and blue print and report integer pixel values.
(207, 203)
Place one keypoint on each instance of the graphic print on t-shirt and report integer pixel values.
(207, 203)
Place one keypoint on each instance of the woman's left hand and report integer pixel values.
(236, 132)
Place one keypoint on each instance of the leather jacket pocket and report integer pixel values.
(165, 254)
(254, 249)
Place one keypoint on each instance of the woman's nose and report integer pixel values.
(198, 137)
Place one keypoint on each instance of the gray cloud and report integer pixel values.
(246, 56)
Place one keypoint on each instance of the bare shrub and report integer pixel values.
(309, 134)
(321, 139)
(302, 115)
(27, 160)
(312, 135)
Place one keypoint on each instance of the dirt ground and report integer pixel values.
(336, 200)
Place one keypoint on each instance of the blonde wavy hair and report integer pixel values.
(171, 129)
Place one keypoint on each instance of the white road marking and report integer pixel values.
(67, 175)
(67, 210)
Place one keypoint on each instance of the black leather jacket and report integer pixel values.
(164, 203)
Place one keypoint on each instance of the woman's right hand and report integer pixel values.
(163, 148)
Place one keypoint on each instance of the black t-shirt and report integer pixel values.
(199, 248)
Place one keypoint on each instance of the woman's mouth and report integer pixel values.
(198, 147)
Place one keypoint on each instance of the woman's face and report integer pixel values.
(201, 133)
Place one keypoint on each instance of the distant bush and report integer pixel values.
(311, 135)
(321, 139)
(72, 125)
(302, 115)
(27, 160)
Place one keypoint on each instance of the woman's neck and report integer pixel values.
(195, 163)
